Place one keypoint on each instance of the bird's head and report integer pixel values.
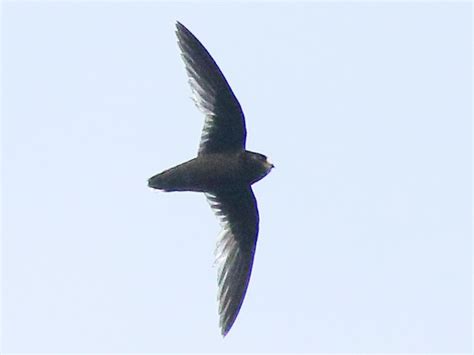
(258, 164)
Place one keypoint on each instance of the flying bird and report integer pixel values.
(224, 171)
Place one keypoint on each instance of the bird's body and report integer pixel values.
(224, 170)
(211, 172)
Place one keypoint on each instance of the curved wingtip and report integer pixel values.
(180, 28)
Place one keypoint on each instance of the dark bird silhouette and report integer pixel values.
(224, 170)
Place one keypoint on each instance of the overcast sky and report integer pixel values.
(365, 234)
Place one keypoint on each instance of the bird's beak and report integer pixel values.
(269, 165)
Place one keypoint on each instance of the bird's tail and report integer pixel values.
(178, 178)
(166, 181)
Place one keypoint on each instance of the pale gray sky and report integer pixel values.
(365, 235)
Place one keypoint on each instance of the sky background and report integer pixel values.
(365, 234)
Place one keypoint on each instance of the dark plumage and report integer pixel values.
(224, 171)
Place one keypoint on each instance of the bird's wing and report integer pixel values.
(224, 126)
(238, 213)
